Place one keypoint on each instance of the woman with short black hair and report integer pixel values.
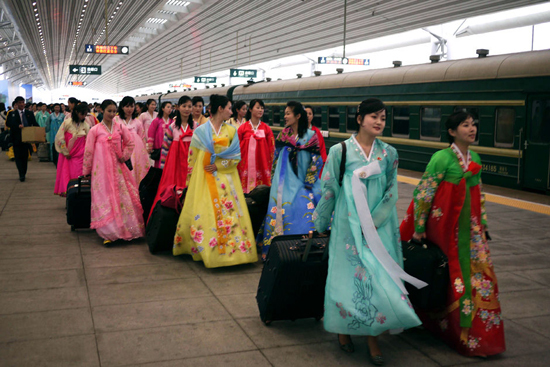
(448, 208)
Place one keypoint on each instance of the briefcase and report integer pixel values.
(33, 134)
(292, 284)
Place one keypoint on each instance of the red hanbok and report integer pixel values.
(173, 160)
(257, 148)
(449, 206)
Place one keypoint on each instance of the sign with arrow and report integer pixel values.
(243, 73)
(205, 79)
(85, 69)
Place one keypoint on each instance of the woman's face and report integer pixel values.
(290, 117)
(373, 123)
(152, 107)
(109, 113)
(197, 108)
(185, 109)
(128, 110)
(167, 109)
(56, 109)
(226, 112)
(465, 133)
(241, 112)
(138, 109)
(81, 116)
(257, 111)
(309, 113)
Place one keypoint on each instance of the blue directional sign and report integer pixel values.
(242, 73)
(205, 79)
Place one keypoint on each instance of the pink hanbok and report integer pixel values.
(145, 118)
(156, 134)
(140, 157)
(116, 209)
(69, 140)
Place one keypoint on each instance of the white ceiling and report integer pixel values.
(209, 35)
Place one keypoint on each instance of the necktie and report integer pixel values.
(24, 118)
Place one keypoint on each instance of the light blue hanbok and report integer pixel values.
(362, 297)
(52, 126)
(295, 187)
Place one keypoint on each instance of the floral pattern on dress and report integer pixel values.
(423, 196)
(490, 319)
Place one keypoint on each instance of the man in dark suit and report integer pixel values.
(17, 120)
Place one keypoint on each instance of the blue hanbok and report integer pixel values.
(52, 126)
(365, 294)
(295, 187)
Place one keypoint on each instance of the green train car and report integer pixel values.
(508, 95)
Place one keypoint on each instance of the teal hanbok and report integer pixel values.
(52, 126)
(365, 294)
(295, 187)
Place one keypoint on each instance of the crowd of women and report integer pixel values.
(221, 158)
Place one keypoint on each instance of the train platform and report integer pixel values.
(66, 300)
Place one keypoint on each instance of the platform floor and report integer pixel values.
(65, 300)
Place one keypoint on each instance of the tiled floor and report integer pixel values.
(65, 300)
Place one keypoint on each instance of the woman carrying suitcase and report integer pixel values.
(448, 208)
(175, 149)
(295, 184)
(214, 225)
(116, 209)
(70, 141)
(364, 294)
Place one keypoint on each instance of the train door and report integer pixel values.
(537, 143)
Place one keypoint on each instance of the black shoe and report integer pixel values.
(22, 178)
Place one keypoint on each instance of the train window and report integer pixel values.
(400, 121)
(504, 127)
(267, 114)
(351, 122)
(540, 122)
(317, 117)
(277, 118)
(430, 123)
(474, 111)
(333, 118)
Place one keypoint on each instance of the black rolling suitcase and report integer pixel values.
(425, 261)
(161, 228)
(257, 202)
(148, 190)
(292, 285)
(44, 152)
(79, 203)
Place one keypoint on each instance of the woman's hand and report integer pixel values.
(68, 156)
(419, 236)
(149, 148)
(211, 168)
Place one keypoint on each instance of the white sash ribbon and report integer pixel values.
(371, 234)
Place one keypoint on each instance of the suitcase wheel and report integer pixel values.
(72, 228)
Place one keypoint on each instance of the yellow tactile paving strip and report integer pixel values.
(516, 203)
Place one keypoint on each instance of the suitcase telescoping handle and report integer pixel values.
(308, 246)
(80, 178)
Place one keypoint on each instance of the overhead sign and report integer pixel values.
(104, 49)
(243, 73)
(78, 84)
(179, 85)
(342, 61)
(205, 79)
(85, 69)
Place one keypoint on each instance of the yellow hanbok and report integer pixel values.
(214, 225)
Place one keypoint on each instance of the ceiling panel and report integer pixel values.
(214, 35)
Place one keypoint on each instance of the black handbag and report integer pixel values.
(155, 154)
(425, 261)
(128, 164)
